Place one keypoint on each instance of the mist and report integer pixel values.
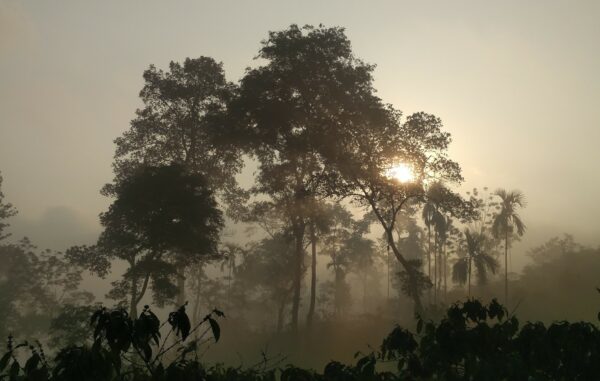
(294, 184)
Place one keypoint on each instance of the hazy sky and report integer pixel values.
(515, 82)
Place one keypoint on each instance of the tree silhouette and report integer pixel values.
(475, 255)
(508, 222)
(428, 215)
(283, 106)
(184, 122)
(177, 220)
(359, 167)
(339, 231)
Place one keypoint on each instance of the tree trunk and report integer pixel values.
(197, 301)
(409, 269)
(299, 259)
(337, 292)
(313, 276)
(388, 273)
(435, 267)
(181, 287)
(429, 257)
(134, 299)
(445, 256)
(365, 279)
(506, 268)
(469, 276)
(280, 315)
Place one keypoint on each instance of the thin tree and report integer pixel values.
(474, 256)
(428, 216)
(508, 222)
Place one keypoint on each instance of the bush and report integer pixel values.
(471, 342)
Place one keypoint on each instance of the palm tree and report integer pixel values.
(439, 225)
(428, 215)
(506, 222)
(476, 256)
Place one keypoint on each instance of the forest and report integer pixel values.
(352, 254)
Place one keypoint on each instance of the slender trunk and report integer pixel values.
(181, 287)
(435, 267)
(365, 293)
(313, 276)
(388, 273)
(445, 256)
(410, 270)
(229, 284)
(197, 300)
(429, 257)
(337, 302)
(506, 268)
(299, 258)
(280, 315)
(469, 277)
(134, 299)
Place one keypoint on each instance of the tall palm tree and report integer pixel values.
(506, 223)
(446, 239)
(428, 215)
(439, 225)
(475, 256)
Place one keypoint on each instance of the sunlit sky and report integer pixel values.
(516, 83)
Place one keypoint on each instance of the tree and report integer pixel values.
(475, 255)
(365, 151)
(508, 222)
(266, 274)
(6, 211)
(362, 260)
(33, 285)
(320, 221)
(282, 107)
(183, 122)
(161, 217)
(339, 231)
(428, 215)
(441, 229)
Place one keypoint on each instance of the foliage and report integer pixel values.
(474, 256)
(177, 222)
(182, 122)
(476, 342)
(6, 211)
(123, 349)
(472, 341)
(28, 303)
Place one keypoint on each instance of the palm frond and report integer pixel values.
(518, 223)
(484, 263)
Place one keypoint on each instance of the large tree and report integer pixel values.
(308, 76)
(162, 216)
(315, 125)
(183, 121)
(370, 146)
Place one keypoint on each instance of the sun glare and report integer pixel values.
(401, 172)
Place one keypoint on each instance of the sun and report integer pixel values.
(401, 172)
